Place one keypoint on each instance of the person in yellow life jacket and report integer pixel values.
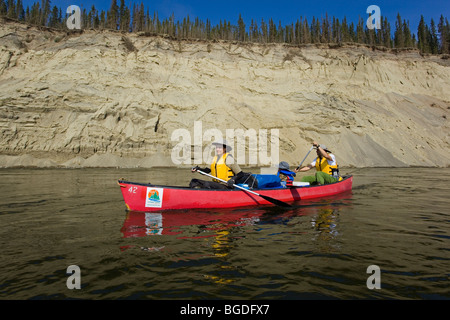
(326, 167)
(223, 167)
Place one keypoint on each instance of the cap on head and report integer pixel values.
(283, 165)
(324, 147)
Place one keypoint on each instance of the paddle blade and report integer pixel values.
(275, 201)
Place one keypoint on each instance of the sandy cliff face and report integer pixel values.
(112, 99)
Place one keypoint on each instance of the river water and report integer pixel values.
(397, 220)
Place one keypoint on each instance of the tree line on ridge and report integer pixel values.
(433, 38)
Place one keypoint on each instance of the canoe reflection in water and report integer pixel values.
(224, 232)
(195, 223)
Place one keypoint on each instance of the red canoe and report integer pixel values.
(149, 197)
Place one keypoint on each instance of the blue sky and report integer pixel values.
(279, 10)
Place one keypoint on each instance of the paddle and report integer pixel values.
(305, 158)
(272, 200)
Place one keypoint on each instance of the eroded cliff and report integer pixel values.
(110, 99)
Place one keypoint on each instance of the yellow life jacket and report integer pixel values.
(220, 170)
(322, 165)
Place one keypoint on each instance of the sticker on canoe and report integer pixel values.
(154, 197)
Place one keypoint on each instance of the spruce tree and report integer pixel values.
(447, 26)
(241, 29)
(84, 19)
(35, 14)
(272, 31)
(408, 42)
(45, 12)
(344, 30)
(318, 31)
(112, 16)
(252, 34)
(306, 32)
(53, 21)
(335, 29)
(124, 16)
(326, 32)
(122, 13)
(299, 31)
(3, 8)
(20, 12)
(360, 35)
(422, 40)
(386, 33)
(11, 11)
(399, 39)
(370, 38)
(280, 33)
(141, 18)
(448, 38)
(432, 38)
(443, 36)
(102, 20)
(94, 19)
(264, 32)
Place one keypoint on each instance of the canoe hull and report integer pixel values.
(148, 197)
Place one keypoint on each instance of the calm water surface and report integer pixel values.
(396, 219)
